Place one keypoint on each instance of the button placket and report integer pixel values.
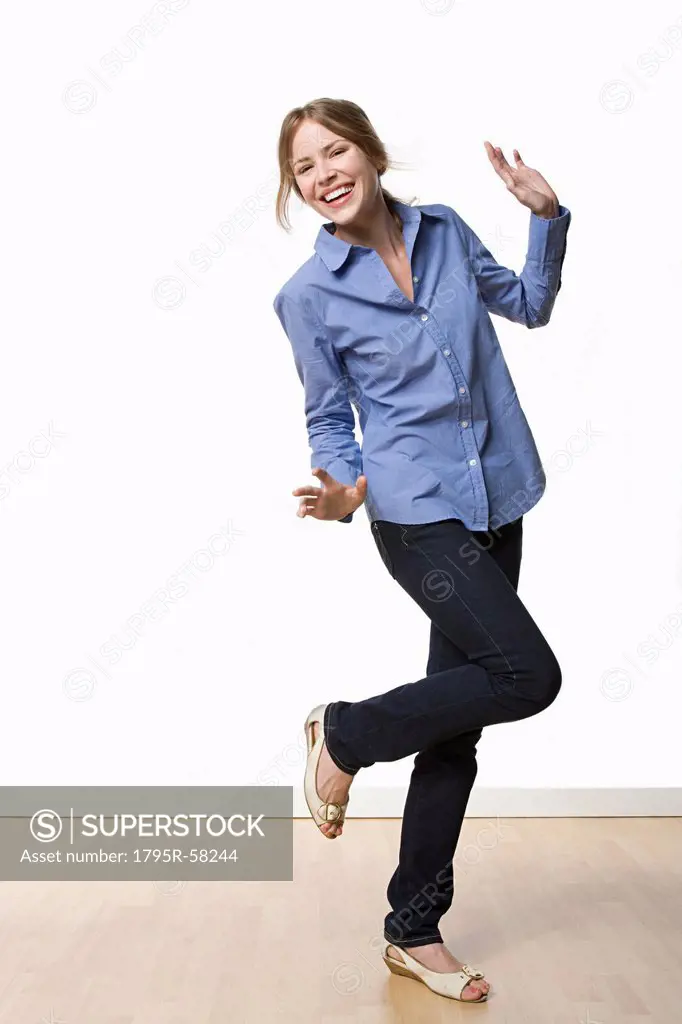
(469, 440)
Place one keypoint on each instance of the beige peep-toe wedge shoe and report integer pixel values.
(321, 812)
(451, 984)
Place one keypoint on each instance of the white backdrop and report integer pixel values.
(166, 617)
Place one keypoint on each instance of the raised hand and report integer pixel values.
(527, 184)
(333, 500)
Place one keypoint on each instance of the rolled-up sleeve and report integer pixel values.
(330, 421)
(527, 298)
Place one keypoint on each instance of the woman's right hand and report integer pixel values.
(333, 500)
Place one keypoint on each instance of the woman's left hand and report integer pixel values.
(528, 185)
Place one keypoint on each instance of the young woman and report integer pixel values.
(391, 314)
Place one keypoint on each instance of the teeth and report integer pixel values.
(339, 192)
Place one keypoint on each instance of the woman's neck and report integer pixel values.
(382, 231)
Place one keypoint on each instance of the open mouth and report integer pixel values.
(340, 199)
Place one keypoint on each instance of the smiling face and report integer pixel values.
(322, 163)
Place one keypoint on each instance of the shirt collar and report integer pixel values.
(334, 252)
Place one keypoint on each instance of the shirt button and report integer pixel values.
(446, 351)
(472, 462)
(424, 316)
(464, 423)
(462, 391)
(415, 279)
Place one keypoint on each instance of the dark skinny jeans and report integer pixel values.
(488, 663)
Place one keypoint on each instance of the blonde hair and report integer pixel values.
(346, 119)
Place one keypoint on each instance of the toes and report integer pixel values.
(472, 991)
(330, 829)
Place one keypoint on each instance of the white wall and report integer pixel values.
(176, 413)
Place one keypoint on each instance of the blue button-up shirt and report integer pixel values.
(443, 432)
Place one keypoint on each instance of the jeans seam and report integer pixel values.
(384, 553)
(414, 810)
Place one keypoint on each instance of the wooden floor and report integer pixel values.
(574, 921)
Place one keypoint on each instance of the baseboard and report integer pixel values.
(517, 802)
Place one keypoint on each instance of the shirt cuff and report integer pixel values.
(547, 236)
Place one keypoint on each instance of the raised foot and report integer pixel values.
(332, 784)
(437, 957)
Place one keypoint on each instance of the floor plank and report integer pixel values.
(573, 920)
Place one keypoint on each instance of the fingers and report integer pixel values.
(504, 163)
(500, 164)
(361, 485)
(309, 489)
(492, 155)
(496, 156)
(307, 506)
(309, 494)
(499, 160)
(323, 476)
(319, 501)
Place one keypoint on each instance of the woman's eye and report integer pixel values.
(337, 152)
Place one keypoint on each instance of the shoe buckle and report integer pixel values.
(330, 812)
(471, 972)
